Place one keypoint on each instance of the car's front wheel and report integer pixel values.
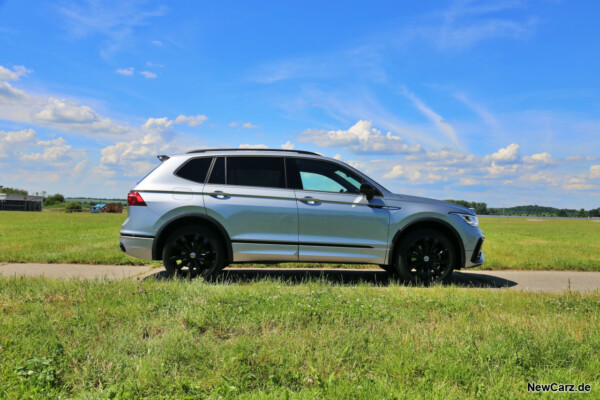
(193, 249)
(425, 256)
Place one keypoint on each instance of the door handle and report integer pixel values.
(219, 194)
(309, 200)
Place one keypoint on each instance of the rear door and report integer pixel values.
(336, 222)
(248, 195)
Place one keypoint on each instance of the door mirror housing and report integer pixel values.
(368, 190)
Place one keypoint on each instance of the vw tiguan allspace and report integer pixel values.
(206, 209)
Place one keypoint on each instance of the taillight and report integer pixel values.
(135, 199)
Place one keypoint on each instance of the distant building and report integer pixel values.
(20, 202)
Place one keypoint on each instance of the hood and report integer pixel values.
(425, 200)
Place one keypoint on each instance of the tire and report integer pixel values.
(425, 256)
(195, 249)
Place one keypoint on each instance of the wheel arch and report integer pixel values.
(431, 223)
(189, 218)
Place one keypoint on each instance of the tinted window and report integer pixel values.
(325, 176)
(195, 169)
(256, 171)
(217, 176)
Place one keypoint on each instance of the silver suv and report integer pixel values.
(206, 209)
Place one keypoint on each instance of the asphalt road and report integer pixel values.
(534, 281)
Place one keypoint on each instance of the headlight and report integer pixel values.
(469, 219)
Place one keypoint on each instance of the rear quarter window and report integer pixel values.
(195, 170)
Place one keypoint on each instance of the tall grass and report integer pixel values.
(272, 339)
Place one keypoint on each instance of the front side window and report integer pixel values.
(195, 169)
(324, 176)
(256, 171)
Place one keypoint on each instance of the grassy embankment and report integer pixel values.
(511, 243)
(166, 339)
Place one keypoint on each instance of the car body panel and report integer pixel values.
(345, 226)
(257, 218)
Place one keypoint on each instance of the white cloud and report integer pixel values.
(121, 153)
(125, 71)
(115, 22)
(595, 171)
(38, 161)
(61, 112)
(10, 141)
(14, 75)
(288, 145)
(10, 95)
(253, 146)
(233, 124)
(442, 125)
(541, 158)
(157, 43)
(509, 154)
(395, 172)
(248, 125)
(192, 120)
(468, 182)
(157, 125)
(360, 138)
(54, 150)
(148, 74)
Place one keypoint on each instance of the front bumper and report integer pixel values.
(475, 257)
(136, 246)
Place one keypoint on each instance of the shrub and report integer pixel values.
(73, 206)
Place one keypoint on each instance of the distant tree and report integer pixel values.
(595, 213)
(480, 208)
(561, 213)
(9, 190)
(581, 213)
(73, 206)
(54, 199)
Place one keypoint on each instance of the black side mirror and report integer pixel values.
(368, 190)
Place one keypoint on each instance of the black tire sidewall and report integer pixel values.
(204, 231)
(401, 256)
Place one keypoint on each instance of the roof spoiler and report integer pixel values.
(162, 157)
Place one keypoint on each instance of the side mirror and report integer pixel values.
(368, 190)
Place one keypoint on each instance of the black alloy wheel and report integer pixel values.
(425, 256)
(194, 249)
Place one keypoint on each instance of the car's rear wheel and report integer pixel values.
(194, 249)
(425, 256)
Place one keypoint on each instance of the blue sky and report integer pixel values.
(483, 101)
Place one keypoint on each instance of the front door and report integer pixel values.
(336, 222)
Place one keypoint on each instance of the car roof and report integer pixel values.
(237, 150)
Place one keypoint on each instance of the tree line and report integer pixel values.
(529, 210)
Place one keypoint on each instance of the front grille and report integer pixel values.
(477, 252)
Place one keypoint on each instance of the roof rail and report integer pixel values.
(238, 149)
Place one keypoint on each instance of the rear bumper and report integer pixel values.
(137, 246)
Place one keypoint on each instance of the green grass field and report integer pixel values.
(272, 339)
(511, 243)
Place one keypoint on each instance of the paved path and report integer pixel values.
(535, 281)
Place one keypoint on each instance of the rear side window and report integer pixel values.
(256, 171)
(217, 176)
(195, 169)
